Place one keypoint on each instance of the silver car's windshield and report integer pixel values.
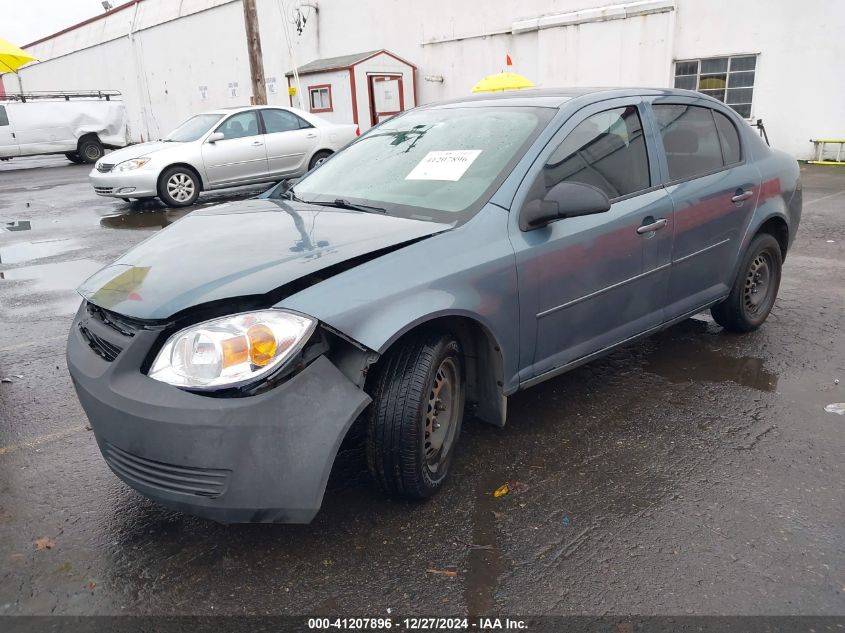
(193, 128)
(428, 164)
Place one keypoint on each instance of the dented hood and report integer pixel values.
(240, 249)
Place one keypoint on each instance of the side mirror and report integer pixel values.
(564, 200)
(214, 137)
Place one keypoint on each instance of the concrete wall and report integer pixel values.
(799, 88)
(799, 91)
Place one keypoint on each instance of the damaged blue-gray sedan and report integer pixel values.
(450, 257)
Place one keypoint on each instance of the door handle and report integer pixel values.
(310, 136)
(257, 144)
(654, 226)
(740, 197)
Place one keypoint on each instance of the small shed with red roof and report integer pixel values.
(362, 88)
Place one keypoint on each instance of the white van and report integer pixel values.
(80, 125)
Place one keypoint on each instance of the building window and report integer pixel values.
(728, 79)
(320, 98)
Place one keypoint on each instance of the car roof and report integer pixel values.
(233, 109)
(555, 97)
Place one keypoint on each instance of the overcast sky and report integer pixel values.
(25, 21)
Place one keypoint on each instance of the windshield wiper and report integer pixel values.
(340, 203)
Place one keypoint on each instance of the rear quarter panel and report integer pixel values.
(780, 188)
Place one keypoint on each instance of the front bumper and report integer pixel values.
(139, 183)
(263, 458)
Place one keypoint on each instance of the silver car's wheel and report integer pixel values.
(179, 187)
(319, 158)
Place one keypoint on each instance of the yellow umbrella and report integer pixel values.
(12, 58)
(503, 81)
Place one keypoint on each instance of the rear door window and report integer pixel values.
(282, 121)
(731, 148)
(690, 139)
(4, 119)
(606, 150)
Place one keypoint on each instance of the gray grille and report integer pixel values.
(204, 482)
(101, 346)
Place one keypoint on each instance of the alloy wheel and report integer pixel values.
(180, 186)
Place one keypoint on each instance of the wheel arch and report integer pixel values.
(777, 227)
(90, 136)
(483, 360)
(327, 150)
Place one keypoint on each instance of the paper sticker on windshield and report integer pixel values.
(446, 165)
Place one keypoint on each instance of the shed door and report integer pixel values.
(386, 97)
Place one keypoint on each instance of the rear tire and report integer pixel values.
(755, 288)
(74, 158)
(414, 421)
(178, 187)
(91, 150)
(318, 159)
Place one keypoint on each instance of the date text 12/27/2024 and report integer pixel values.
(418, 624)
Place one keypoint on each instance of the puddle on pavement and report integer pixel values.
(27, 251)
(684, 360)
(484, 561)
(15, 225)
(158, 218)
(58, 276)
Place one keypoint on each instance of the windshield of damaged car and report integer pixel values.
(428, 164)
(193, 128)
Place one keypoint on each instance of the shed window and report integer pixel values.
(728, 79)
(320, 98)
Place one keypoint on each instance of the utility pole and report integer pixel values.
(256, 60)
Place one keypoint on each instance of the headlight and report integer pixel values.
(129, 165)
(232, 350)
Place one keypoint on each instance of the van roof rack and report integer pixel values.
(66, 95)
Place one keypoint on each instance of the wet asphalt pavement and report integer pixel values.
(694, 473)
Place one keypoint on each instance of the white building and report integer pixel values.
(776, 60)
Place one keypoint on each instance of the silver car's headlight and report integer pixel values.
(231, 351)
(129, 165)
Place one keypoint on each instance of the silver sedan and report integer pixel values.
(219, 149)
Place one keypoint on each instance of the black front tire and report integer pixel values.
(179, 187)
(91, 150)
(403, 416)
(74, 158)
(755, 288)
(318, 158)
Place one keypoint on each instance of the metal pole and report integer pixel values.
(282, 13)
(256, 61)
